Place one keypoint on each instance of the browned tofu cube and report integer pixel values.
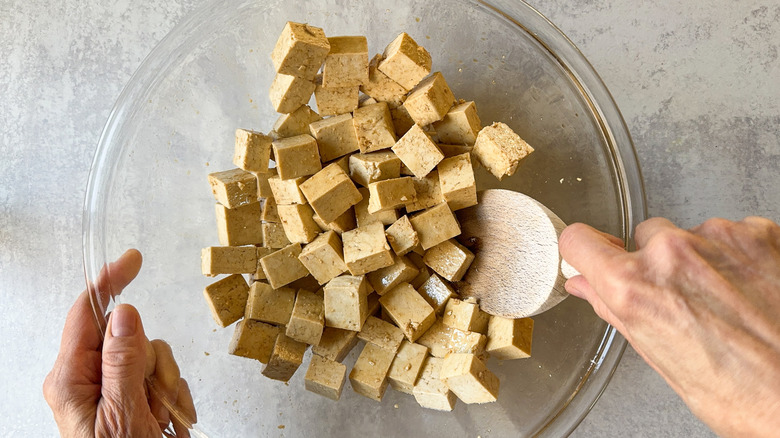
(401, 271)
(510, 338)
(325, 377)
(274, 236)
(369, 375)
(428, 192)
(460, 125)
(307, 319)
(347, 62)
(365, 169)
(418, 151)
(456, 179)
(380, 87)
(390, 194)
(364, 218)
(406, 366)
(500, 149)
(227, 298)
(435, 225)
(296, 157)
(374, 127)
(430, 392)
(408, 310)
(300, 50)
(335, 136)
(287, 191)
(405, 62)
(469, 378)
(234, 188)
(436, 292)
(252, 151)
(401, 236)
(330, 192)
(442, 340)
(239, 226)
(286, 357)
(332, 101)
(215, 260)
(295, 123)
(289, 92)
(298, 224)
(430, 100)
(270, 305)
(381, 333)
(366, 249)
(449, 259)
(324, 258)
(335, 343)
(283, 267)
(253, 339)
(345, 302)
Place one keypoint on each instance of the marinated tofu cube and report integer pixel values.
(469, 378)
(380, 87)
(428, 191)
(437, 293)
(405, 62)
(365, 169)
(215, 260)
(430, 100)
(325, 377)
(374, 127)
(460, 125)
(234, 188)
(270, 305)
(381, 333)
(270, 212)
(227, 298)
(402, 121)
(450, 150)
(417, 151)
(408, 310)
(253, 339)
(369, 375)
(263, 187)
(274, 236)
(347, 62)
(435, 225)
(300, 50)
(364, 218)
(261, 252)
(345, 302)
(442, 340)
(406, 366)
(289, 92)
(401, 236)
(510, 338)
(252, 150)
(297, 122)
(298, 224)
(465, 316)
(335, 343)
(430, 392)
(332, 101)
(335, 136)
(330, 192)
(240, 225)
(343, 223)
(456, 179)
(307, 319)
(401, 271)
(449, 259)
(287, 191)
(286, 357)
(500, 149)
(366, 249)
(283, 267)
(324, 258)
(390, 194)
(297, 156)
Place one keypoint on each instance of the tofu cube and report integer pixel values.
(428, 192)
(402, 121)
(307, 319)
(380, 87)
(274, 236)
(381, 333)
(286, 357)
(366, 249)
(240, 225)
(374, 127)
(253, 339)
(289, 92)
(331, 192)
(450, 150)
(430, 100)
(456, 179)
(335, 136)
(460, 125)
(324, 258)
(365, 100)
(335, 343)
(510, 338)
(343, 223)
(420, 279)
(233, 188)
(287, 191)
(408, 310)
(252, 150)
(263, 188)
(227, 298)
(469, 378)
(390, 194)
(442, 340)
(430, 392)
(373, 303)
(347, 62)
(298, 223)
(401, 236)
(500, 149)
(296, 122)
(332, 101)
(270, 212)
(384, 279)
(345, 302)
(449, 259)
(418, 151)
(465, 316)
(325, 377)
(261, 252)
(437, 293)
(300, 50)
(283, 267)
(406, 366)
(270, 305)
(369, 374)
(435, 225)
(405, 62)
(342, 162)
(215, 260)
(297, 156)
(364, 218)
(365, 169)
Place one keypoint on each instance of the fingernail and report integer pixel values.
(123, 322)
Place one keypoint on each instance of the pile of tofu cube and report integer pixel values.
(342, 218)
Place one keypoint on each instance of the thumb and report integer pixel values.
(124, 360)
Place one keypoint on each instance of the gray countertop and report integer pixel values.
(698, 84)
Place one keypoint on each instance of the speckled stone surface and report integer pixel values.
(697, 84)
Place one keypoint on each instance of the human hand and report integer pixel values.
(702, 307)
(115, 386)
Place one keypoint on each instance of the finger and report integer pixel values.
(114, 277)
(151, 360)
(165, 382)
(587, 250)
(185, 415)
(649, 228)
(579, 287)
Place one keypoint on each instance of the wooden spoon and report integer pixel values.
(518, 271)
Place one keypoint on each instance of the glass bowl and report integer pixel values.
(174, 122)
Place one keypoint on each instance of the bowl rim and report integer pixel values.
(579, 70)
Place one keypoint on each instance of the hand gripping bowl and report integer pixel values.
(174, 122)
